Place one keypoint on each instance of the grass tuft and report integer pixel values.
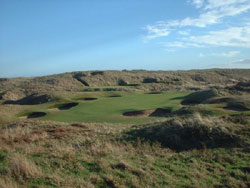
(22, 168)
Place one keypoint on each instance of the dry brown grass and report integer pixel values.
(92, 155)
(20, 134)
(166, 79)
(7, 184)
(189, 133)
(22, 168)
(8, 112)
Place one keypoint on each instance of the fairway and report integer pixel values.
(110, 109)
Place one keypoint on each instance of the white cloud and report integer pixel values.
(240, 62)
(201, 55)
(197, 3)
(184, 32)
(214, 12)
(157, 31)
(181, 44)
(170, 50)
(211, 4)
(176, 44)
(227, 54)
(230, 37)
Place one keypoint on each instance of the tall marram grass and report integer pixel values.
(52, 154)
(22, 168)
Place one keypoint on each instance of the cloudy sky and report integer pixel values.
(52, 36)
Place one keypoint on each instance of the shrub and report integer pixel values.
(97, 73)
(150, 80)
(198, 78)
(121, 82)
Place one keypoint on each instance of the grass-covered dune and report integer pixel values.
(126, 129)
(189, 152)
(18, 88)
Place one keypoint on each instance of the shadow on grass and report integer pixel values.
(178, 98)
(33, 99)
(197, 97)
(158, 112)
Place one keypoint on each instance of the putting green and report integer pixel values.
(110, 109)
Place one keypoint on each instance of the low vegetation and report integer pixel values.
(126, 129)
(196, 152)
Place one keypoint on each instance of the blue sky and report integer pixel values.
(41, 37)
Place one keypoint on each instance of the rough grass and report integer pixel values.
(182, 150)
(240, 104)
(190, 133)
(53, 154)
(21, 168)
(77, 81)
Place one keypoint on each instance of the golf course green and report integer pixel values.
(110, 107)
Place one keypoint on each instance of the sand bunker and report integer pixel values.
(89, 98)
(36, 115)
(53, 109)
(159, 112)
(67, 106)
(115, 95)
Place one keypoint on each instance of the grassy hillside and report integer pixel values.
(16, 88)
(122, 129)
(50, 154)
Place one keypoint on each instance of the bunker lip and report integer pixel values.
(159, 112)
(89, 98)
(138, 113)
(36, 115)
(68, 106)
(53, 109)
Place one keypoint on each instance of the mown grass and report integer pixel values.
(110, 109)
